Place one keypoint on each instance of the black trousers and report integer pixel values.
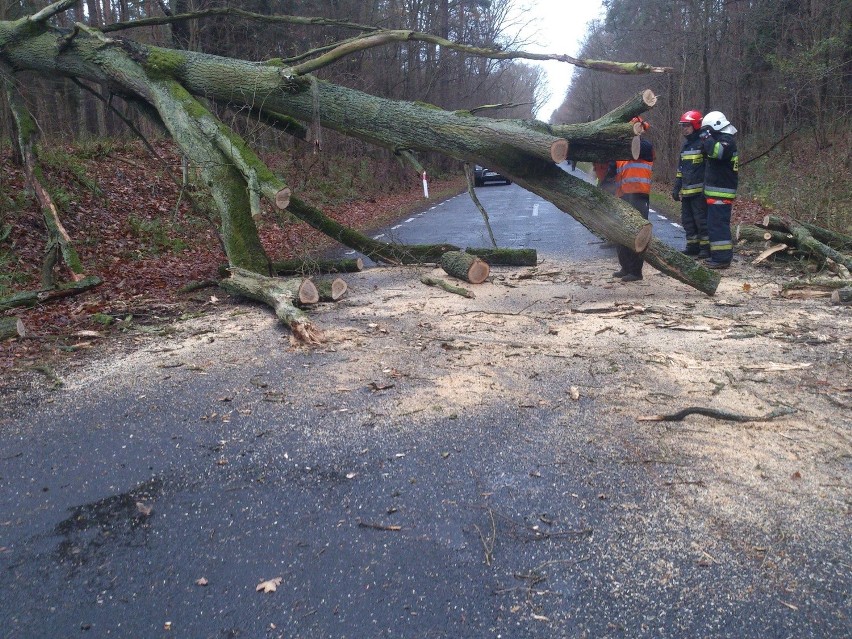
(630, 260)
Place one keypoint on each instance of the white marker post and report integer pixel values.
(425, 186)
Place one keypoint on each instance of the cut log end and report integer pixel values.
(478, 271)
(649, 98)
(465, 267)
(308, 293)
(282, 198)
(559, 150)
(635, 147)
(643, 238)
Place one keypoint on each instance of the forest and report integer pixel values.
(780, 70)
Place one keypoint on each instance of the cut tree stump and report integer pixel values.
(842, 296)
(331, 290)
(11, 327)
(465, 266)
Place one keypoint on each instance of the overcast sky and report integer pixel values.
(560, 26)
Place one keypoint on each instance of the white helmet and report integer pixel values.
(717, 121)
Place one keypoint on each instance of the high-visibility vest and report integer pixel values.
(633, 176)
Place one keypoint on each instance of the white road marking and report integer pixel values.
(375, 237)
(535, 210)
(393, 228)
(411, 219)
(676, 225)
(652, 210)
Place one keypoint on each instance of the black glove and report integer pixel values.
(705, 132)
(676, 195)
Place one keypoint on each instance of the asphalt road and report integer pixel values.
(153, 500)
(519, 219)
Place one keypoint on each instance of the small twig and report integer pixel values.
(717, 414)
(488, 544)
(364, 524)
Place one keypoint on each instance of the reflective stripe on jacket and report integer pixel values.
(721, 174)
(633, 176)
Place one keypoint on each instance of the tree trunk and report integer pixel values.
(11, 327)
(465, 266)
(505, 256)
(280, 294)
(309, 266)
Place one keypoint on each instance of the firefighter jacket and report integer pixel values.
(690, 169)
(634, 176)
(721, 173)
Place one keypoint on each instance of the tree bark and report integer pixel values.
(465, 266)
(505, 256)
(750, 233)
(309, 266)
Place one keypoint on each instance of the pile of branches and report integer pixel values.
(830, 251)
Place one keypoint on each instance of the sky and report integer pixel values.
(560, 26)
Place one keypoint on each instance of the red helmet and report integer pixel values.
(693, 118)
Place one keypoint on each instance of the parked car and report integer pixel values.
(481, 175)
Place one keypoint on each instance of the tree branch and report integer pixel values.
(231, 11)
(381, 38)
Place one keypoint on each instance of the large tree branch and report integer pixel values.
(382, 38)
(233, 12)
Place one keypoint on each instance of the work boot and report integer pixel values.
(691, 251)
(630, 277)
(620, 273)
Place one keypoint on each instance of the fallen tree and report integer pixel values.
(176, 88)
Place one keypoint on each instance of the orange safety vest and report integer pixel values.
(633, 176)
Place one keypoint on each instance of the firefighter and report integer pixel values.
(633, 178)
(689, 187)
(720, 185)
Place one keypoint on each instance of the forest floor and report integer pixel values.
(545, 338)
